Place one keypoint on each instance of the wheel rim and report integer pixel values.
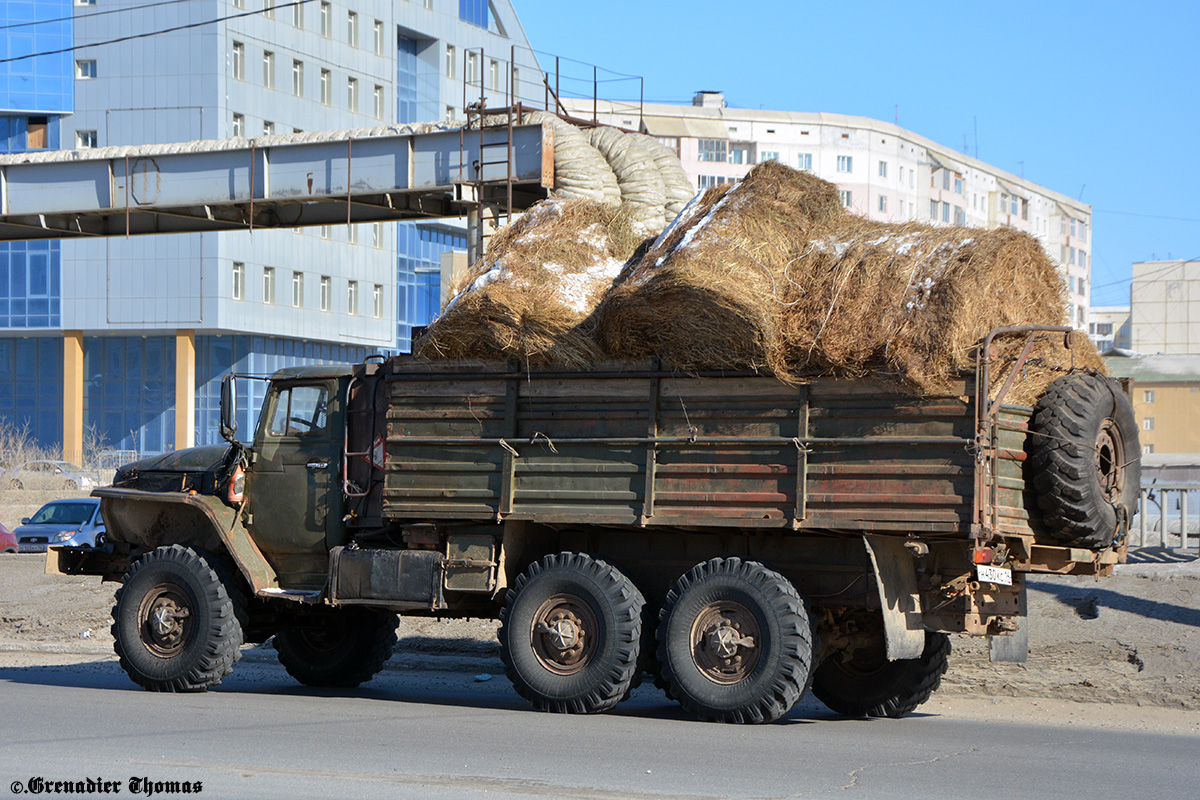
(1110, 461)
(166, 616)
(326, 640)
(726, 642)
(564, 634)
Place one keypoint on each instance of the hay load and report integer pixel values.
(707, 293)
(541, 278)
(772, 273)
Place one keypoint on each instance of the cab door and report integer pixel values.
(292, 481)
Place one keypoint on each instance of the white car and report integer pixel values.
(48, 474)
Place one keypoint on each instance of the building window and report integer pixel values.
(958, 184)
(326, 231)
(298, 15)
(1147, 449)
(883, 169)
(516, 87)
(1024, 209)
(960, 216)
(239, 125)
(326, 88)
(1083, 231)
(239, 280)
(85, 140)
(235, 3)
(472, 76)
(846, 196)
(1148, 394)
(268, 65)
(298, 78)
(269, 285)
(933, 207)
(1072, 226)
(268, 128)
(352, 28)
(1083, 286)
(1071, 255)
(326, 10)
(901, 176)
(768, 155)
(805, 160)
(239, 61)
(494, 75)
(845, 163)
(377, 301)
(352, 95)
(428, 4)
(352, 234)
(377, 235)
(269, 8)
(1082, 259)
(352, 298)
(882, 200)
(449, 113)
(85, 68)
(326, 288)
(713, 149)
(1148, 424)
(945, 212)
(377, 101)
(297, 290)
(378, 30)
(945, 179)
(451, 61)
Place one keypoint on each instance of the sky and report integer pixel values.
(1099, 101)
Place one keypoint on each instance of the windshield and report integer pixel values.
(63, 514)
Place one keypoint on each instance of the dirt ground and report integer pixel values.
(1119, 652)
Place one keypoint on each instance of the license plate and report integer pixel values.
(27, 547)
(990, 574)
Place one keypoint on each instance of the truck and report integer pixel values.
(739, 538)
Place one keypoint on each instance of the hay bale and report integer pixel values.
(541, 278)
(772, 273)
(705, 295)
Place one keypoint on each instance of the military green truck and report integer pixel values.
(738, 538)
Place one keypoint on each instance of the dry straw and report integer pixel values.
(542, 276)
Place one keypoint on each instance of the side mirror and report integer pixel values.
(229, 408)
(24, 520)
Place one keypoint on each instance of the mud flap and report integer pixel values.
(1014, 647)
(896, 578)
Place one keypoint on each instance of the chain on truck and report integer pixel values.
(738, 538)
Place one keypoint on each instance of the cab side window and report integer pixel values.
(299, 411)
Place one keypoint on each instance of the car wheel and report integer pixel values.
(347, 648)
(15, 484)
(71, 486)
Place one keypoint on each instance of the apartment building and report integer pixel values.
(1166, 399)
(143, 329)
(1164, 301)
(1110, 327)
(883, 172)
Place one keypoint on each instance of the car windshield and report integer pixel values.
(63, 514)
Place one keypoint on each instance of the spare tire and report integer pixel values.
(1085, 460)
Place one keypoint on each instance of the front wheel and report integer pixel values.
(865, 684)
(735, 642)
(570, 632)
(175, 625)
(345, 649)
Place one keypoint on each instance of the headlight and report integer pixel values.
(64, 536)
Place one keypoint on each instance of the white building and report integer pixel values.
(884, 172)
(1165, 306)
(1110, 327)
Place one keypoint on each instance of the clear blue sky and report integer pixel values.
(1096, 100)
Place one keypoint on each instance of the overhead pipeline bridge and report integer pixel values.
(371, 175)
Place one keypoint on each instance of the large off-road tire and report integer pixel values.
(868, 685)
(175, 625)
(734, 642)
(570, 633)
(344, 648)
(1085, 460)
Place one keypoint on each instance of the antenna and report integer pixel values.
(1081, 188)
(975, 122)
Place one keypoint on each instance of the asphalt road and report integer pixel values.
(433, 734)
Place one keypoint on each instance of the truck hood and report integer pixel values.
(198, 469)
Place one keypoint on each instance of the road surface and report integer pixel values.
(452, 734)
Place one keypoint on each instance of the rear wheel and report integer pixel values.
(569, 634)
(863, 683)
(175, 626)
(341, 650)
(734, 642)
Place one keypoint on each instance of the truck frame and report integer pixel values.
(737, 537)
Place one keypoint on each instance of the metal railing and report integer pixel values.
(1168, 517)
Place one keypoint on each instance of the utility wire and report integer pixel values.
(148, 34)
(1175, 263)
(89, 15)
(1147, 216)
